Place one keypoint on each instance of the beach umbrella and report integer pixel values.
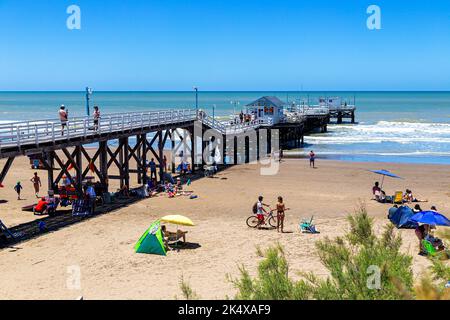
(385, 173)
(178, 220)
(431, 217)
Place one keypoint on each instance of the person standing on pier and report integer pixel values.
(96, 117)
(312, 159)
(64, 117)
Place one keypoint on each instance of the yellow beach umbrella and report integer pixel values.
(178, 220)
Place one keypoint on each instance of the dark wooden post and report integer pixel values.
(79, 170)
(144, 158)
(339, 117)
(104, 164)
(139, 158)
(50, 159)
(173, 165)
(235, 151)
(247, 149)
(224, 148)
(193, 151)
(126, 162)
(161, 155)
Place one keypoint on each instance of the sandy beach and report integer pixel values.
(102, 247)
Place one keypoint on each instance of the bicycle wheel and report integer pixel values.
(253, 221)
(273, 222)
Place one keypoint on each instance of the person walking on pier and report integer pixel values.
(63, 117)
(312, 159)
(96, 117)
(36, 184)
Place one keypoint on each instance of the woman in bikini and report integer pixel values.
(281, 209)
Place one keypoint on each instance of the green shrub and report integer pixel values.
(352, 262)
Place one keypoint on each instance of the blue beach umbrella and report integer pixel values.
(385, 173)
(431, 217)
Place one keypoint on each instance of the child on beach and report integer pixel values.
(312, 159)
(281, 210)
(36, 184)
(18, 188)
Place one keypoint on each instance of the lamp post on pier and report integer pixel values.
(88, 98)
(214, 114)
(196, 98)
(235, 104)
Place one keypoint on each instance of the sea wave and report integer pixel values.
(385, 131)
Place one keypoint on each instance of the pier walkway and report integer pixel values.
(43, 138)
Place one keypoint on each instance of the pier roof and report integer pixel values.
(267, 101)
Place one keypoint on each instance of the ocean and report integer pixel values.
(409, 127)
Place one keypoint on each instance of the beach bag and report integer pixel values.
(255, 208)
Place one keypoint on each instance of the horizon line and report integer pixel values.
(212, 91)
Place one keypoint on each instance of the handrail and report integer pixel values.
(49, 130)
(36, 132)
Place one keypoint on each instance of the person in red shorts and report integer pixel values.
(260, 211)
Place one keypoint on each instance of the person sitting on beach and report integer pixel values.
(408, 197)
(435, 242)
(381, 197)
(124, 191)
(433, 208)
(417, 209)
(376, 188)
(172, 236)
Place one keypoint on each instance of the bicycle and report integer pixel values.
(254, 222)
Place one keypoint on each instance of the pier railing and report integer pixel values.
(49, 130)
(37, 132)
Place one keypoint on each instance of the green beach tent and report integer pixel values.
(151, 241)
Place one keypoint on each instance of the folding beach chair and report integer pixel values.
(398, 197)
(308, 227)
(82, 207)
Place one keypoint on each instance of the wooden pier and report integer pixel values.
(151, 131)
(343, 112)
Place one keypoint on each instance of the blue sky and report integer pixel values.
(225, 45)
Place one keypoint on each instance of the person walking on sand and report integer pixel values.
(96, 117)
(63, 117)
(281, 213)
(312, 159)
(18, 188)
(36, 184)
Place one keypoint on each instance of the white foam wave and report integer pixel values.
(385, 131)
